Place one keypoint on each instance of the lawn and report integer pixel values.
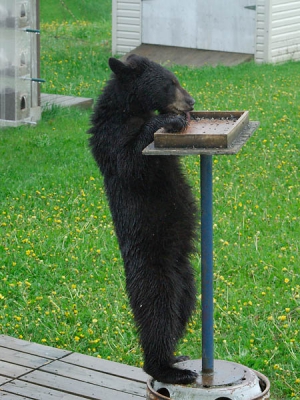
(62, 280)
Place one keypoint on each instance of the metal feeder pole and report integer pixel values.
(207, 265)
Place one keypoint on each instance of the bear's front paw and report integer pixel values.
(176, 123)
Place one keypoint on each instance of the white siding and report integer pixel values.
(262, 31)
(285, 28)
(126, 18)
(277, 31)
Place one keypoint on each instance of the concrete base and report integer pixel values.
(230, 381)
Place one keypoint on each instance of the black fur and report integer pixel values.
(151, 204)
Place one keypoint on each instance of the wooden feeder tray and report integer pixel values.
(206, 129)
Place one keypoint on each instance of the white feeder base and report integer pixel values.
(230, 381)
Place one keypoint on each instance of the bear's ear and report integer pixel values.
(117, 66)
(133, 65)
(136, 62)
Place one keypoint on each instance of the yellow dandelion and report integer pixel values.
(282, 317)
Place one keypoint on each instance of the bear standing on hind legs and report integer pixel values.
(152, 206)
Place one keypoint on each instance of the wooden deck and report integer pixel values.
(33, 371)
(47, 100)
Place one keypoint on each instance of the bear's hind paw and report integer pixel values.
(175, 376)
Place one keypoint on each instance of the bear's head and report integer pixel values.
(150, 86)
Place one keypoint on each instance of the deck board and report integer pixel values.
(24, 359)
(27, 390)
(110, 367)
(4, 379)
(33, 371)
(32, 348)
(12, 370)
(47, 100)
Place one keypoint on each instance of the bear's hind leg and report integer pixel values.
(161, 317)
(187, 301)
(159, 359)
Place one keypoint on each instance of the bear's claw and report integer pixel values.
(180, 359)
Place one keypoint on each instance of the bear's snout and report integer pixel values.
(190, 101)
(183, 101)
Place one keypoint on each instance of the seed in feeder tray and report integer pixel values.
(211, 129)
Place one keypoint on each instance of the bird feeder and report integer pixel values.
(19, 62)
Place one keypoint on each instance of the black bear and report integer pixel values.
(152, 207)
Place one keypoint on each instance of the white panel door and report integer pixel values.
(169, 22)
(224, 25)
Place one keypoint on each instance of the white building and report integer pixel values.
(268, 29)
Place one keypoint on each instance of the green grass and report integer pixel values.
(61, 274)
(75, 44)
(76, 10)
